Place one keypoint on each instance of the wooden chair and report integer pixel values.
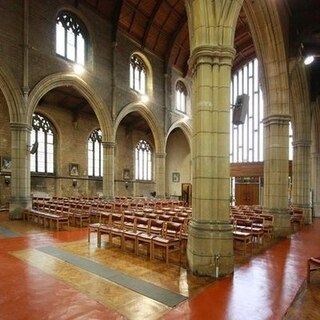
(115, 222)
(242, 233)
(130, 232)
(313, 264)
(170, 240)
(297, 218)
(155, 227)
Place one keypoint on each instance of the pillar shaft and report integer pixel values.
(276, 171)
(20, 170)
(301, 177)
(160, 173)
(108, 169)
(316, 184)
(210, 240)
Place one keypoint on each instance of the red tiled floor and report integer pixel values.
(262, 289)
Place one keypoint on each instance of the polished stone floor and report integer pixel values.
(57, 275)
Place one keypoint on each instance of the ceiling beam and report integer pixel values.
(115, 20)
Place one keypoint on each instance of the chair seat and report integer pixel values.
(313, 265)
(160, 240)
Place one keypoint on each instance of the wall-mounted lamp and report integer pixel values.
(7, 180)
(126, 184)
(308, 60)
(74, 183)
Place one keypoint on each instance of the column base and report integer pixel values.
(282, 226)
(316, 209)
(16, 207)
(210, 248)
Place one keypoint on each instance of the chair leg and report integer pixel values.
(308, 271)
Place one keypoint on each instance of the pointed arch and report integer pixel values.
(185, 128)
(68, 79)
(144, 111)
(269, 40)
(13, 95)
(300, 103)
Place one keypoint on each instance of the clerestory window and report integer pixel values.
(71, 37)
(181, 96)
(137, 74)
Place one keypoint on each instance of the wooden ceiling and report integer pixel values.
(160, 26)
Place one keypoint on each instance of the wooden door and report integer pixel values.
(186, 193)
(247, 193)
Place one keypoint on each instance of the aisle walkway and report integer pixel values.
(41, 278)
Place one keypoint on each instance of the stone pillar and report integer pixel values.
(108, 169)
(276, 171)
(160, 173)
(20, 170)
(210, 240)
(210, 232)
(301, 178)
(315, 181)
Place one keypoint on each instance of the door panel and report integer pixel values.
(247, 194)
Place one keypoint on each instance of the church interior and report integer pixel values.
(160, 159)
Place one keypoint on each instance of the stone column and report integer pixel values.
(20, 170)
(276, 171)
(108, 169)
(211, 29)
(315, 181)
(160, 173)
(210, 232)
(301, 178)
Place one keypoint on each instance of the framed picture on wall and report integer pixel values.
(6, 164)
(175, 177)
(74, 169)
(126, 174)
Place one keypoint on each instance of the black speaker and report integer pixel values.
(240, 109)
(34, 148)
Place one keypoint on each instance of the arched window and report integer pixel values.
(95, 154)
(137, 74)
(246, 140)
(181, 96)
(42, 134)
(143, 161)
(71, 37)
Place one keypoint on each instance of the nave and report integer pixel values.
(57, 275)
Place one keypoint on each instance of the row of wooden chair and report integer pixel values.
(141, 232)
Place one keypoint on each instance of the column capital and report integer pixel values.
(18, 126)
(108, 144)
(211, 55)
(160, 155)
(301, 143)
(279, 119)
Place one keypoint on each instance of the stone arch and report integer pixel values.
(13, 95)
(67, 79)
(300, 103)
(269, 40)
(144, 111)
(186, 129)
